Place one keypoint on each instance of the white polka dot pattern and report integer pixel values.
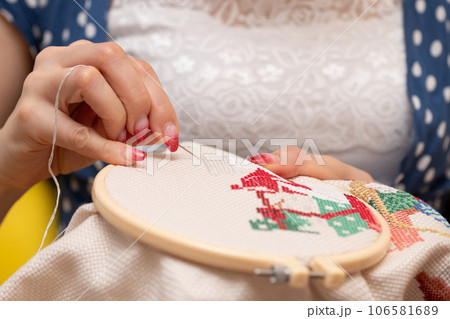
(416, 69)
(446, 93)
(90, 30)
(430, 83)
(46, 38)
(65, 35)
(421, 6)
(416, 102)
(436, 48)
(428, 27)
(441, 129)
(429, 175)
(423, 162)
(31, 3)
(7, 15)
(82, 19)
(428, 116)
(440, 13)
(419, 148)
(417, 37)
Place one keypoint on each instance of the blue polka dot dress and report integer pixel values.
(56, 22)
(424, 171)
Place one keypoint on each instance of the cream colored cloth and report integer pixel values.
(94, 261)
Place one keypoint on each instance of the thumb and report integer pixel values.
(88, 142)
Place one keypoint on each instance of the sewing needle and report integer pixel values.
(188, 150)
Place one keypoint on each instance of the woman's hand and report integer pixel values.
(291, 161)
(102, 103)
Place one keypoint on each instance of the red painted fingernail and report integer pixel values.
(137, 155)
(171, 136)
(263, 159)
(136, 132)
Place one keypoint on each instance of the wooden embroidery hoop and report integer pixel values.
(330, 270)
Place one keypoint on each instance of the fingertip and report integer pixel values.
(170, 132)
(137, 155)
(130, 155)
(264, 159)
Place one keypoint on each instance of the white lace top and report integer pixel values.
(299, 69)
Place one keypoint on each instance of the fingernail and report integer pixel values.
(263, 159)
(141, 124)
(122, 136)
(137, 155)
(171, 136)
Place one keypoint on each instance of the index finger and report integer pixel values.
(112, 61)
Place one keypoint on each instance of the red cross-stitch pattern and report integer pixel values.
(269, 211)
(433, 288)
(262, 179)
(263, 182)
(404, 237)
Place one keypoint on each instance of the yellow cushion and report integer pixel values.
(22, 229)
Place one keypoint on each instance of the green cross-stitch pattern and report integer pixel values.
(328, 206)
(395, 202)
(348, 225)
(295, 222)
(264, 224)
(292, 222)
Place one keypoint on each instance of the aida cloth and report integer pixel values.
(95, 261)
(247, 208)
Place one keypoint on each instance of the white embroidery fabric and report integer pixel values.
(95, 261)
(223, 63)
(210, 211)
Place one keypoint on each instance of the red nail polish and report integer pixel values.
(262, 159)
(137, 155)
(172, 143)
(171, 136)
(136, 132)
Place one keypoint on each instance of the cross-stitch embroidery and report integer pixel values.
(396, 207)
(346, 218)
(433, 288)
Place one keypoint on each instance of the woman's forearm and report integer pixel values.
(15, 65)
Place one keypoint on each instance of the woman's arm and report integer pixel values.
(15, 64)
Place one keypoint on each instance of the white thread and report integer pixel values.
(50, 160)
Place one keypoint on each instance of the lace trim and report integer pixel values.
(351, 101)
(253, 13)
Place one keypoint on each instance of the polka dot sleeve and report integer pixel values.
(424, 172)
(19, 13)
(57, 22)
